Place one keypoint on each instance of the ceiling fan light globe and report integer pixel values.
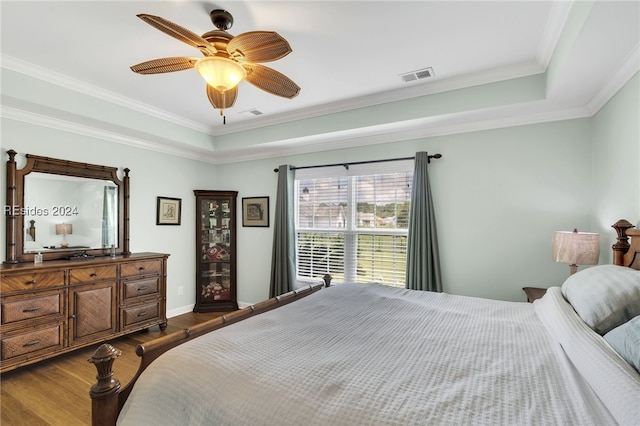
(220, 73)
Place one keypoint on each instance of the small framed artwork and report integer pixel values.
(255, 211)
(168, 211)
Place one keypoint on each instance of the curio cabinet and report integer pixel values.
(215, 251)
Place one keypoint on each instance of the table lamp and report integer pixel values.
(576, 248)
(64, 229)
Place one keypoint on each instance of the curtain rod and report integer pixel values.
(346, 165)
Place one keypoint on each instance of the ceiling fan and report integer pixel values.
(227, 59)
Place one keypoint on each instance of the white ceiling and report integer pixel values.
(346, 54)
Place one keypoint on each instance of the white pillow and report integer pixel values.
(32, 246)
(625, 339)
(604, 296)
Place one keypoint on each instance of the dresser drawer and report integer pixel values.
(133, 315)
(92, 273)
(141, 267)
(31, 281)
(49, 338)
(137, 288)
(22, 308)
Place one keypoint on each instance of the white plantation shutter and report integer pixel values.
(353, 224)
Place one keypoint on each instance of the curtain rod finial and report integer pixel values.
(436, 156)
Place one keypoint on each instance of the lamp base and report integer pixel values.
(573, 268)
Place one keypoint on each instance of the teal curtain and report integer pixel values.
(283, 257)
(423, 259)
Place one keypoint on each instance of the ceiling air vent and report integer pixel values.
(251, 113)
(417, 75)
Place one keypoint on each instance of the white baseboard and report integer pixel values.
(189, 308)
(179, 311)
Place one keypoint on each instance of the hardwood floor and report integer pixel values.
(56, 391)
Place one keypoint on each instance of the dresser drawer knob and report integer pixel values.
(142, 314)
(142, 288)
(29, 310)
(93, 274)
(141, 268)
(31, 343)
(30, 282)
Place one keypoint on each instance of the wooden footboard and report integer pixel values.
(108, 396)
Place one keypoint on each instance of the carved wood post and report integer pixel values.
(9, 208)
(621, 247)
(104, 393)
(125, 243)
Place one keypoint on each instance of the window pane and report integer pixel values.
(383, 200)
(322, 203)
(382, 259)
(319, 254)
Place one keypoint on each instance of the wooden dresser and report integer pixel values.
(61, 305)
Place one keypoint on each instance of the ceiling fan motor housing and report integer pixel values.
(221, 19)
(219, 39)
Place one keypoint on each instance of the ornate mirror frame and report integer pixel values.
(15, 197)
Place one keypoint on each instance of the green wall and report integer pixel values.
(499, 193)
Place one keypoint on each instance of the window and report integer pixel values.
(353, 224)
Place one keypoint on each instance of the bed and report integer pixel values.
(392, 356)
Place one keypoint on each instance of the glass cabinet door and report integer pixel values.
(216, 251)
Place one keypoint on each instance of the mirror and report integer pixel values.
(62, 209)
(69, 212)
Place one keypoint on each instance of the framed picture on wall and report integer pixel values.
(255, 211)
(168, 211)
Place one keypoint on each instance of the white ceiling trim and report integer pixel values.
(557, 19)
(411, 91)
(387, 133)
(34, 71)
(444, 125)
(629, 67)
(150, 144)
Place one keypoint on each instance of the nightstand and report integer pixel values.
(534, 293)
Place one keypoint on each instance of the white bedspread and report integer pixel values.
(385, 357)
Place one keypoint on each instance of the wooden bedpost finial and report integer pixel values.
(327, 280)
(104, 393)
(622, 245)
(103, 359)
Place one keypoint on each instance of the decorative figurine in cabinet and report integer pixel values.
(215, 251)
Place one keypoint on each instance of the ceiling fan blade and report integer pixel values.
(157, 66)
(258, 46)
(178, 32)
(271, 81)
(222, 100)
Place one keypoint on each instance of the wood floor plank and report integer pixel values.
(56, 391)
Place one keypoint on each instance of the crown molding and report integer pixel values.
(558, 16)
(412, 90)
(448, 124)
(148, 143)
(49, 76)
(629, 67)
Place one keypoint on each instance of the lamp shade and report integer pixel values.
(576, 248)
(220, 73)
(64, 229)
